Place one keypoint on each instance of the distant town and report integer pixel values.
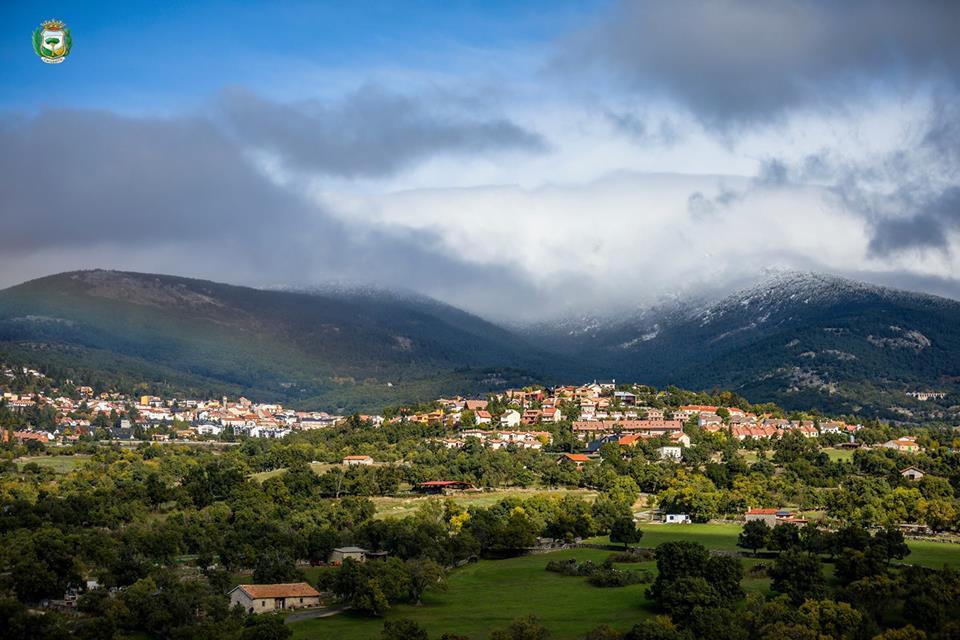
(597, 413)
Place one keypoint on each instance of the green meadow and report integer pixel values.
(489, 594)
(402, 506)
(57, 464)
(724, 536)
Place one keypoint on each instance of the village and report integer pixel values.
(597, 413)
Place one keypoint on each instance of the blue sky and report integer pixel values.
(159, 55)
(494, 154)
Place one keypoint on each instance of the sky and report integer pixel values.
(521, 160)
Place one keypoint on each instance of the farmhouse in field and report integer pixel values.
(443, 486)
(912, 473)
(350, 461)
(340, 554)
(772, 517)
(263, 598)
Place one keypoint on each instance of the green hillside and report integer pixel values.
(336, 350)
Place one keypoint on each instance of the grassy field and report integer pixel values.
(839, 455)
(489, 594)
(724, 536)
(835, 455)
(318, 468)
(933, 554)
(400, 507)
(712, 536)
(57, 464)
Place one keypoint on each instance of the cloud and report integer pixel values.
(640, 130)
(926, 228)
(369, 133)
(735, 62)
(85, 189)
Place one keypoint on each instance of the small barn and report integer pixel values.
(442, 486)
(264, 598)
(912, 473)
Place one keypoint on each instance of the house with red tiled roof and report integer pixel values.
(475, 405)
(531, 416)
(688, 410)
(264, 598)
(552, 414)
(773, 517)
(906, 444)
(443, 486)
(576, 459)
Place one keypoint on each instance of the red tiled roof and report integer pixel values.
(441, 483)
(291, 590)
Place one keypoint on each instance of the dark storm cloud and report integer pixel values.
(923, 208)
(369, 133)
(926, 228)
(94, 189)
(82, 177)
(741, 61)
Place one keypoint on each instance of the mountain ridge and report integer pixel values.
(798, 338)
(263, 340)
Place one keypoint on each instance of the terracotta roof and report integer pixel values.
(576, 457)
(442, 483)
(763, 512)
(292, 590)
(357, 458)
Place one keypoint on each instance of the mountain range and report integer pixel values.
(802, 340)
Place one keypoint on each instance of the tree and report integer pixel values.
(274, 566)
(754, 536)
(402, 629)
(660, 628)
(725, 574)
(265, 628)
(680, 559)
(798, 575)
(625, 530)
(831, 619)
(528, 628)
(370, 598)
(892, 544)
(680, 597)
(716, 623)
(423, 573)
(784, 537)
(908, 632)
(603, 632)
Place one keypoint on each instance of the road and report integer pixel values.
(324, 612)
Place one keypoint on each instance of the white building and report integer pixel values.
(510, 418)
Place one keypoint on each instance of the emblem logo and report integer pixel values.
(52, 41)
